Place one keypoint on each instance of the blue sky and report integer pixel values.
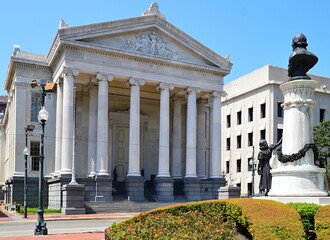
(253, 32)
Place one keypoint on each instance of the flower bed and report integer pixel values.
(322, 223)
(216, 219)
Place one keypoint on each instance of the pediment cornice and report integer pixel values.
(136, 26)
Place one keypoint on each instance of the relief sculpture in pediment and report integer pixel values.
(150, 43)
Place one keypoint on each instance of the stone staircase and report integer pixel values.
(125, 206)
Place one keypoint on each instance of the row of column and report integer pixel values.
(98, 129)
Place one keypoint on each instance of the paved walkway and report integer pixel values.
(8, 216)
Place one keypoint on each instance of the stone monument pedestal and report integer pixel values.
(297, 175)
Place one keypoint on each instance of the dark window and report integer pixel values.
(322, 115)
(279, 109)
(35, 106)
(228, 121)
(239, 118)
(35, 152)
(249, 165)
(228, 144)
(279, 134)
(239, 141)
(227, 166)
(263, 134)
(263, 110)
(250, 114)
(239, 165)
(250, 139)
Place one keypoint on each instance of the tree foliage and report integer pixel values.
(322, 141)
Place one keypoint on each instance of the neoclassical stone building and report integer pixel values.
(136, 112)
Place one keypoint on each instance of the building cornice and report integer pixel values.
(139, 57)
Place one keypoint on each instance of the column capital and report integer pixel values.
(163, 85)
(192, 90)
(178, 97)
(73, 71)
(135, 82)
(104, 77)
(217, 94)
(202, 101)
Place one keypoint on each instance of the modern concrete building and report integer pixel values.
(136, 113)
(252, 111)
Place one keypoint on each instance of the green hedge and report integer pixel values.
(270, 219)
(216, 219)
(322, 223)
(307, 212)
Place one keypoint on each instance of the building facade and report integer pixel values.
(136, 112)
(252, 111)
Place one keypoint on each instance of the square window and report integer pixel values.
(228, 121)
(279, 134)
(35, 152)
(35, 106)
(239, 141)
(263, 110)
(238, 165)
(263, 134)
(228, 144)
(239, 118)
(250, 139)
(322, 115)
(250, 114)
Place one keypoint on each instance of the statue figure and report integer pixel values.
(301, 60)
(264, 167)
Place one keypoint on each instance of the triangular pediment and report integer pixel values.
(148, 36)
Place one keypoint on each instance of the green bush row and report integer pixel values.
(216, 219)
(322, 223)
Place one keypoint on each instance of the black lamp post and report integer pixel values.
(253, 164)
(28, 128)
(41, 228)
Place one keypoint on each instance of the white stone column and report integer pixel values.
(191, 132)
(216, 136)
(102, 163)
(134, 128)
(58, 133)
(92, 133)
(67, 123)
(201, 140)
(176, 138)
(164, 130)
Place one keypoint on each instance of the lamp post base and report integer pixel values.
(40, 229)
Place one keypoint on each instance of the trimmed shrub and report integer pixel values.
(207, 220)
(322, 223)
(307, 212)
(215, 219)
(270, 219)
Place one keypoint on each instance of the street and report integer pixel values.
(25, 228)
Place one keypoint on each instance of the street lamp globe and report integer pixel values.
(26, 151)
(43, 114)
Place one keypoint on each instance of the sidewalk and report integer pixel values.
(11, 217)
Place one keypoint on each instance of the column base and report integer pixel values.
(73, 199)
(135, 188)
(164, 189)
(192, 189)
